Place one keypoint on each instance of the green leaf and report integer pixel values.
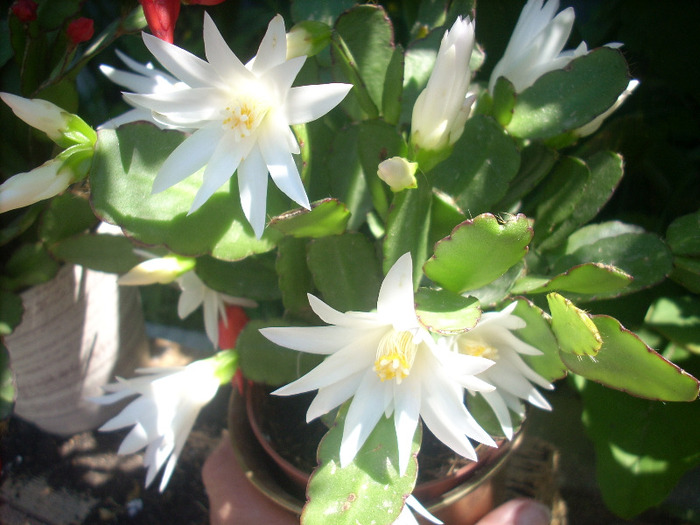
(263, 361)
(444, 215)
(576, 333)
(496, 291)
(606, 170)
(565, 99)
(378, 141)
(368, 35)
(536, 161)
(504, 98)
(252, 278)
(538, 333)
(686, 272)
(479, 251)
(683, 235)
(482, 164)
(419, 60)
(29, 265)
(11, 311)
(445, 312)
(20, 223)
(407, 228)
(325, 12)
(327, 217)
(295, 280)
(101, 252)
(393, 87)
(559, 196)
(370, 489)
(642, 447)
(589, 278)
(644, 256)
(7, 387)
(126, 162)
(625, 363)
(67, 215)
(346, 271)
(677, 319)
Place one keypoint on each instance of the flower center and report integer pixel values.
(477, 349)
(395, 354)
(244, 115)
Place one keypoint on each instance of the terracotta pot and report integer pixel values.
(77, 331)
(462, 495)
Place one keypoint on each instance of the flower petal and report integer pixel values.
(204, 101)
(223, 163)
(281, 165)
(220, 56)
(281, 77)
(396, 303)
(362, 416)
(307, 103)
(252, 187)
(406, 414)
(312, 339)
(333, 396)
(273, 48)
(192, 70)
(190, 156)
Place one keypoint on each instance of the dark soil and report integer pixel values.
(86, 465)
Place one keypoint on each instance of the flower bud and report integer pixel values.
(80, 30)
(398, 173)
(442, 108)
(64, 128)
(24, 10)
(161, 16)
(307, 39)
(230, 325)
(161, 270)
(23, 189)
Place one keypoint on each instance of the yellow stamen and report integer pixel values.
(477, 349)
(244, 115)
(395, 354)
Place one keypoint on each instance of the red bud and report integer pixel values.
(161, 16)
(229, 329)
(80, 30)
(25, 10)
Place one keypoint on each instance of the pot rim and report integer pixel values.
(262, 471)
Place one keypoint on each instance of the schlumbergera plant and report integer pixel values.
(430, 254)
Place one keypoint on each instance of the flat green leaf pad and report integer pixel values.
(370, 489)
(445, 312)
(479, 251)
(573, 328)
(624, 362)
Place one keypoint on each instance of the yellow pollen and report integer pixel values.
(477, 349)
(244, 115)
(395, 354)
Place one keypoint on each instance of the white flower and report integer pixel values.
(389, 364)
(161, 270)
(443, 106)
(492, 338)
(23, 189)
(535, 47)
(398, 173)
(64, 128)
(241, 114)
(406, 517)
(144, 79)
(594, 124)
(40, 114)
(195, 293)
(162, 416)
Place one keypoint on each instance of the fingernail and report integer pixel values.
(533, 513)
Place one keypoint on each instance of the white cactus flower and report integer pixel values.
(242, 116)
(513, 378)
(389, 364)
(443, 107)
(44, 182)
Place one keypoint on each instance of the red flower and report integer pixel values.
(161, 16)
(229, 329)
(25, 10)
(80, 30)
